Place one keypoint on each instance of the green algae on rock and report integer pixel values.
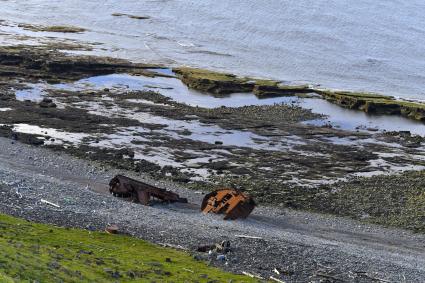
(213, 82)
(375, 103)
(266, 90)
(63, 29)
(225, 83)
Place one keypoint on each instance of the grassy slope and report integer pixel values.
(30, 251)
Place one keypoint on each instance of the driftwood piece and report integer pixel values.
(252, 275)
(50, 203)
(248, 237)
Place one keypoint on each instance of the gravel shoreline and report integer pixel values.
(303, 246)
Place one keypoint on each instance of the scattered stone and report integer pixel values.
(47, 103)
(112, 229)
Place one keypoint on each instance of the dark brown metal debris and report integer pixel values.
(121, 186)
(233, 203)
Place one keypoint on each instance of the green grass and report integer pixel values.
(36, 252)
(5, 279)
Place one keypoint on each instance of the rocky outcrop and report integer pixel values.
(223, 83)
(267, 90)
(375, 103)
(213, 82)
(45, 63)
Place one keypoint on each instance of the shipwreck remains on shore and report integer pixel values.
(233, 203)
(121, 186)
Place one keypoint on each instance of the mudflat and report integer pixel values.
(70, 123)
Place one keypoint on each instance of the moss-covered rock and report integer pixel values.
(375, 103)
(213, 82)
(56, 28)
(224, 83)
(267, 90)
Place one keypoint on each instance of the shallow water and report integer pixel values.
(195, 130)
(358, 45)
(337, 116)
(34, 92)
(357, 120)
(54, 136)
(171, 87)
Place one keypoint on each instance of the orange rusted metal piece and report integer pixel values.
(233, 203)
(121, 186)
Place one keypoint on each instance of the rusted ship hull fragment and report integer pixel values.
(232, 203)
(121, 186)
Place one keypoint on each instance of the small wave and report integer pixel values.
(210, 53)
(410, 99)
(186, 44)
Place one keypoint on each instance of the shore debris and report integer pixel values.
(50, 203)
(233, 203)
(252, 275)
(276, 280)
(125, 187)
(176, 247)
(223, 247)
(47, 103)
(111, 229)
(248, 237)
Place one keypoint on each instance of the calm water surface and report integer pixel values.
(358, 45)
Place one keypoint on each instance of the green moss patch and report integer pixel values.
(41, 253)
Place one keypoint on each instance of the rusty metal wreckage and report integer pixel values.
(232, 203)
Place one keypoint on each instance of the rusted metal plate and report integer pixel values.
(232, 203)
(125, 187)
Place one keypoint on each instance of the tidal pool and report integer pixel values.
(337, 116)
